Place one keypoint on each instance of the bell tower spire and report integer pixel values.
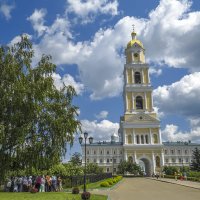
(139, 126)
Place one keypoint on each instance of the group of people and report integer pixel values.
(183, 176)
(38, 183)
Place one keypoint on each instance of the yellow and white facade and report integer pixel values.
(139, 133)
(140, 127)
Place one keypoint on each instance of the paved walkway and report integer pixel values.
(191, 184)
(148, 189)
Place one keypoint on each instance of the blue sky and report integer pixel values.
(87, 39)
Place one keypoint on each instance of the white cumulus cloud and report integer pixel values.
(181, 97)
(102, 115)
(170, 35)
(86, 11)
(100, 131)
(37, 20)
(66, 80)
(6, 9)
(172, 133)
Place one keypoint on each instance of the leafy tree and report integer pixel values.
(122, 167)
(195, 164)
(128, 166)
(170, 170)
(73, 170)
(36, 119)
(93, 168)
(76, 159)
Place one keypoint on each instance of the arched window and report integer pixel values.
(142, 139)
(139, 102)
(157, 161)
(155, 138)
(136, 57)
(146, 139)
(130, 159)
(129, 139)
(137, 77)
(138, 140)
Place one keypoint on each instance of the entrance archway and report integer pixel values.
(145, 166)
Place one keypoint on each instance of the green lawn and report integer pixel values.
(46, 196)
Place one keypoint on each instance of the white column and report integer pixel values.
(151, 141)
(133, 101)
(133, 79)
(148, 76)
(145, 100)
(160, 137)
(135, 157)
(142, 76)
(125, 138)
(133, 73)
(162, 159)
(153, 163)
(133, 137)
(139, 139)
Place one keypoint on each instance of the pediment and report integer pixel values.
(142, 117)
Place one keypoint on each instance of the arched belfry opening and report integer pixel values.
(139, 102)
(137, 77)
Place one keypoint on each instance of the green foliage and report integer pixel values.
(194, 174)
(110, 181)
(128, 166)
(195, 164)
(93, 168)
(105, 184)
(170, 170)
(76, 159)
(73, 170)
(36, 119)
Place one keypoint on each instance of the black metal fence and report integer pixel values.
(72, 181)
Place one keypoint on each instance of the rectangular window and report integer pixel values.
(108, 160)
(165, 151)
(172, 152)
(180, 160)
(114, 160)
(179, 152)
(101, 160)
(107, 152)
(108, 170)
(166, 160)
(186, 152)
(186, 160)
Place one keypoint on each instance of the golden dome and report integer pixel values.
(134, 40)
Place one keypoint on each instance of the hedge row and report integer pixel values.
(197, 179)
(111, 181)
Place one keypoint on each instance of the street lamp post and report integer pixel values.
(80, 141)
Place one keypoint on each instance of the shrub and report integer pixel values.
(33, 190)
(75, 190)
(110, 182)
(104, 184)
(85, 195)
